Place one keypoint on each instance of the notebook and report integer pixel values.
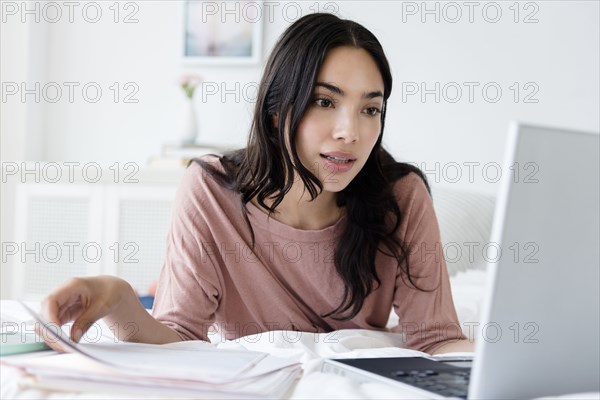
(540, 318)
(20, 342)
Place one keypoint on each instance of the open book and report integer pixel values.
(178, 369)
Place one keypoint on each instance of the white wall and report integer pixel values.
(12, 128)
(558, 55)
(21, 136)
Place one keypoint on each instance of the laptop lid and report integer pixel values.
(540, 321)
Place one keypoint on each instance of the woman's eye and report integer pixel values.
(373, 111)
(324, 103)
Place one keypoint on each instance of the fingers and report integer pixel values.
(82, 300)
(50, 339)
(66, 303)
(84, 322)
(50, 310)
(60, 306)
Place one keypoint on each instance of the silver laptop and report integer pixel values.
(540, 320)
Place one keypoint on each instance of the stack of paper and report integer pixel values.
(180, 369)
(195, 369)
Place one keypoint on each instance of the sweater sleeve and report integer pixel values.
(427, 316)
(188, 290)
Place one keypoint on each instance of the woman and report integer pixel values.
(312, 227)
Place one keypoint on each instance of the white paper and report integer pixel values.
(196, 363)
(74, 372)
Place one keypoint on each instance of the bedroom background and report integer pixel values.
(462, 71)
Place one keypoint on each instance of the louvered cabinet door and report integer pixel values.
(136, 232)
(58, 235)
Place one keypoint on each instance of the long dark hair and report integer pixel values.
(265, 168)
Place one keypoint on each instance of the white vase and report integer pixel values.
(189, 128)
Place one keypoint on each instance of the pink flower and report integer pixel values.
(189, 83)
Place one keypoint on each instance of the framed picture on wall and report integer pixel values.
(222, 33)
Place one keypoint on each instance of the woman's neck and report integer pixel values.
(298, 211)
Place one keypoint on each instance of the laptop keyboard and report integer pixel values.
(447, 383)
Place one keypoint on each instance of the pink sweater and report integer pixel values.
(212, 275)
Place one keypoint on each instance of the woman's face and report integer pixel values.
(342, 124)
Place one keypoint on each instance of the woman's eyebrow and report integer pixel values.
(337, 90)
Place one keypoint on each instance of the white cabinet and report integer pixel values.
(136, 229)
(80, 229)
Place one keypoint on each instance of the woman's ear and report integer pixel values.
(276, 120)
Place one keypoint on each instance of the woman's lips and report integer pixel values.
(337, 162)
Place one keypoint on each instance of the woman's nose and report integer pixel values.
(346, 129)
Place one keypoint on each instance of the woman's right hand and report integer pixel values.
(84, 301)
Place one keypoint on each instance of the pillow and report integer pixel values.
(465, 220)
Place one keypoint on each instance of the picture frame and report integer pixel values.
(222, 33)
